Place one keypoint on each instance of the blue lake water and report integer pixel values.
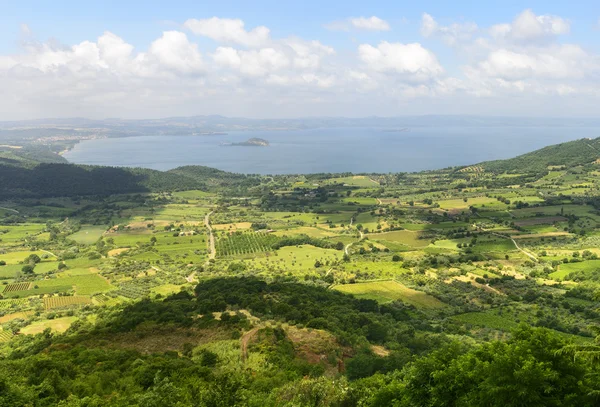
(327, 150)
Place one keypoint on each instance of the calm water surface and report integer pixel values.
(327, 150)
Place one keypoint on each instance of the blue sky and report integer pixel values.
(330, 57)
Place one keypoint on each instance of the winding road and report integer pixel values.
(9, 209)
(526, 253)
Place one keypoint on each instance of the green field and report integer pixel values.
(568, 268)
(405, 237)
(388, 291)
(88, 234)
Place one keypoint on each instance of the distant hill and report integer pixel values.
(27, 179)
(22, 175)
(569, 154)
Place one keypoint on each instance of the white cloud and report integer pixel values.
(226, 30)
(372, 23)
(252, 62)
(528, 27)
(560, 62)
(114, 49)
(451, 34)
(174, 51)
(410, 60)
(248, 70)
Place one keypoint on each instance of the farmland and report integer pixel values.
(322, 275)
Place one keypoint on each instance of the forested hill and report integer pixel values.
(23, 180)
(569, 154)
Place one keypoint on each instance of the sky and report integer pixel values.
(281, 59)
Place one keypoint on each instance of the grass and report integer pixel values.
(12, 235)
(83, 284)
(458, 204)
(357, 181)
(294, 259)
(565, 269)
(404, 237)
(305, 230)
(382, 269)
(88, 234)
(55, 325)
(390, 290)
(18, 256)
(166, 289)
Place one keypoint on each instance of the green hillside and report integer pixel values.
(569, 154)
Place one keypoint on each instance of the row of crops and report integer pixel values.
(133, 289)
(17, 287)
(245, 243)
(5, 336)
(65, 301)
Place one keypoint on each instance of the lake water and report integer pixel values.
(327, 150)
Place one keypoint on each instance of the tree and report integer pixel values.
(2, 263)
(28, 269)
(589, 352)
(33, 259)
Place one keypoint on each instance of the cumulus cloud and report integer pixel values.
(410, 60)
(249, 69)
(372, 23)
(173, 50)
(528, 27)
(226, 30)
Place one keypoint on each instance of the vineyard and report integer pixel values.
(245, 243)
(5, 336)
(101, 299)
(58, 302)
(17, 287)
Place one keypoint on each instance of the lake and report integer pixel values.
(358, 150)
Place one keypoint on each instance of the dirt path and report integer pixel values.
(526, 253)
(190, 278)
(50, 253)
(379, 201)
(9, 209)
(362, 236)
(245, 340)
(211, 238)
